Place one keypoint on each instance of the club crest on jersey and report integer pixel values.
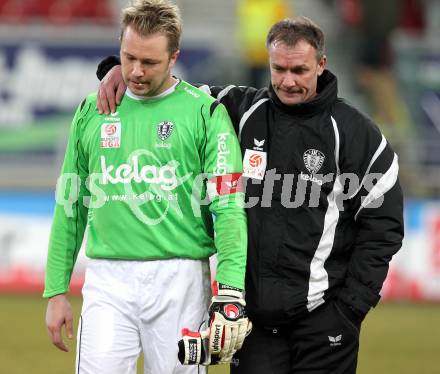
(313, 160)
(164, 130)
(111, 135)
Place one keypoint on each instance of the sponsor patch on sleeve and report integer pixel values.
(225, 185)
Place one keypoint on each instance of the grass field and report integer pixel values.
(396, 339)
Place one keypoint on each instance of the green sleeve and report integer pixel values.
(223, 164)
(70, 216)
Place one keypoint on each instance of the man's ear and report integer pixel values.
(173, 58)
(321, 64)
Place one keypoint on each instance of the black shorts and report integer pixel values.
(325, 341)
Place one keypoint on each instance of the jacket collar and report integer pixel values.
(327, 94)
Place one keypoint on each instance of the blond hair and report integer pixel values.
(148, 17)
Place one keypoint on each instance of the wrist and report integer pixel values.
(221, 289)
(58, 296)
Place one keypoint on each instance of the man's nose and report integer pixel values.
(289, 80)
(137, 70)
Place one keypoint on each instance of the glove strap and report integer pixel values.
(220, 289)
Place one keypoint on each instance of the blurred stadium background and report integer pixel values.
(386, 55)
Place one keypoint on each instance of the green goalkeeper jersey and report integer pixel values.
(146, 181)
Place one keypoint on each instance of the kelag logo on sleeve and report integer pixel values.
(222, 153)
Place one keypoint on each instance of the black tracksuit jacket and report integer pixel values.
(314, 235)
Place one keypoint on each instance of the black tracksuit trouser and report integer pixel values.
(324, 341)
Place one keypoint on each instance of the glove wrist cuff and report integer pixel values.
(220, 289)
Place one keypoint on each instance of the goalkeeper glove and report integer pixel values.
(193, 348)
(229, 326)
(228, 322)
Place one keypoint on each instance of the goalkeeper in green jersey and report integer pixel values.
(146, 182)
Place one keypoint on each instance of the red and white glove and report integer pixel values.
(228, 322)
(228, 327)
(193, 348)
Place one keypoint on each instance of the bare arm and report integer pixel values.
(110, 92)
(59, 313)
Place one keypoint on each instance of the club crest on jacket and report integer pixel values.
(313, 160)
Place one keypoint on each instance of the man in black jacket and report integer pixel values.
(324, 208)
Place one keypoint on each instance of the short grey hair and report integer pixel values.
(290, 31)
